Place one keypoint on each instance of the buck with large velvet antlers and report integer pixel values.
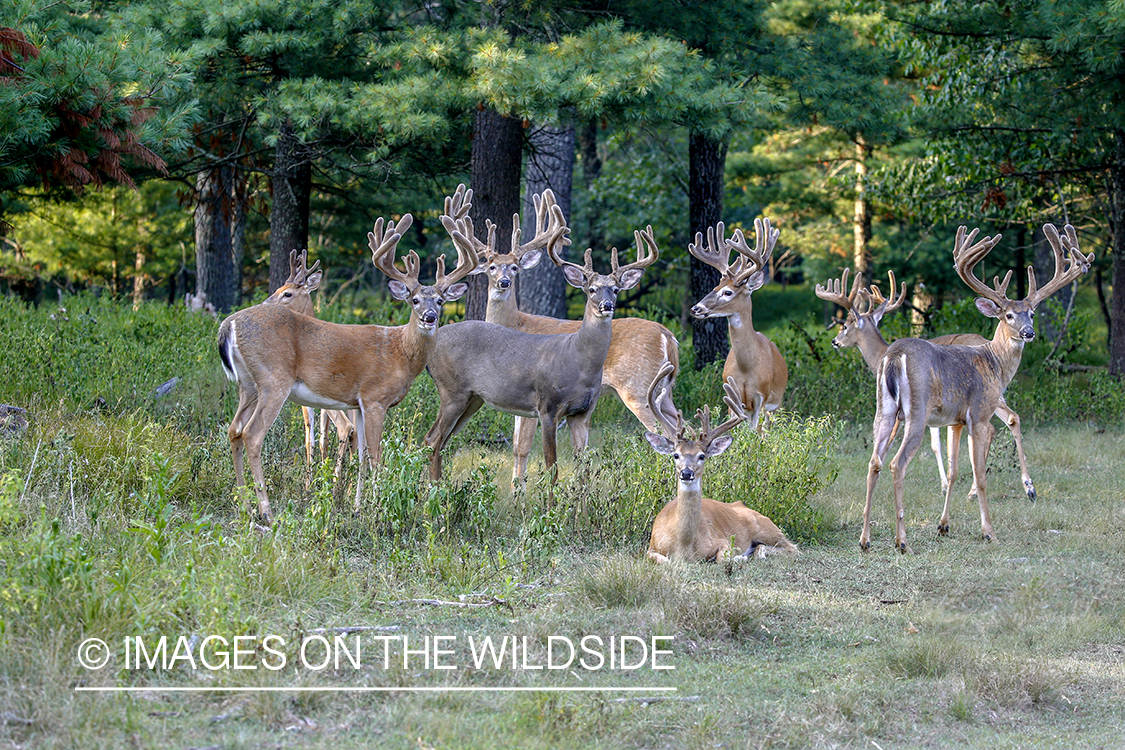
(275, 355)
(635, 344)
(754, 362)
(864, 311)
(926, 384)
(549, 377)
(690, 526)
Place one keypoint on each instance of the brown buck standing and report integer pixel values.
(692, 527)
(865, 310)
(754, 362)
(926, 384)
(549, 377)
(275, 354)
(636, 345)
(296, 294)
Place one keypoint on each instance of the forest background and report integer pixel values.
(153, 149)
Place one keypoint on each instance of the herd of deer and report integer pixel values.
(551, 370)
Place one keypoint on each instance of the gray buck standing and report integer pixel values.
(865, 310)
(635, 346)
(275, 355)
(549, 377)
(927, 384)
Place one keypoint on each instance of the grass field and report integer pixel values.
(118, 521)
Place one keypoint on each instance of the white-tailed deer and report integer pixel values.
(759, 371)
(296, 294)
(926, 384)
(865, 310)
(693, 527)
(549, 377)
(275, 354)
(636, 347)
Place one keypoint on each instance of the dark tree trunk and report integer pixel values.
(291, 184)
(495, 172)
(219, 222)
(1117, 301)
(591, 170)
(707, 162)
(542, 289)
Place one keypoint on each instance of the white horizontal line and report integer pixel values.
(139, 689)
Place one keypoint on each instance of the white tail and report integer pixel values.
(694, 527)
(275, 354)
(754, 362)
(927, 384)
(637, 347)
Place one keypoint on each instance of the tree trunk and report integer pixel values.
(139, 277)
(861, 224)
(219, 221)
(291, 184)
(591, 170)
(495, 171)
(707, 162)
(1117, 301)
(542, 289)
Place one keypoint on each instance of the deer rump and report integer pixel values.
(515, 372)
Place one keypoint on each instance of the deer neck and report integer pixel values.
(740, 321)
(502, 308)
(689, 511)
(1007, 349)
(872, 346)
(594, 335)
(415, 343)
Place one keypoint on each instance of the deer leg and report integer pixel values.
(935, 446)
(579, 430)
(954, 458)
(523, 438)
(309, 419)
(884, 431)
(371, 429)
(1012, 419)
(756, 413)
(550, 454)
(911, 441)
(253, 435)
(980, 439)
(247, 401)
(451, 417)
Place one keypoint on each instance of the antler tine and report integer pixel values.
(467, 260)
(707, 434)
(383, 244)
(833, 290)
(752, 261)
(456, 220)
(865, 302)
(654, 398)
(895, 301)
(550, 225)
(296, 262)
(966, 256)
(711, 254)
(561, 237)
(1070, 263)
(457, 205)
(647, 252)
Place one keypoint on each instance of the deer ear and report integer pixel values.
(574, 277)
(988, 307)
(313, 281)
(398, 289)
(756, 281)
(630, 278)
(455, 291)
(660, 444)
(718, 445)
(530, 259)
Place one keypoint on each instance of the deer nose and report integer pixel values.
(698, 311)
(504, 283)
(687, 475)
(429, 317)
(1027, 333)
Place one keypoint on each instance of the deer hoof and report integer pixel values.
(943, 529)
(1030, 491)
(987, 537)
(902, 547)
(864, 546)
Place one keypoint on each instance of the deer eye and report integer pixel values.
(676, 456)
(728, 292)
(415, 301)
(492, 267)
(287, 295)
(1032, 313)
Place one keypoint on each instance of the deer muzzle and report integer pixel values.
(700, 311)
(687, 475)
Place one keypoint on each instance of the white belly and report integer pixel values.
(300, 394)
